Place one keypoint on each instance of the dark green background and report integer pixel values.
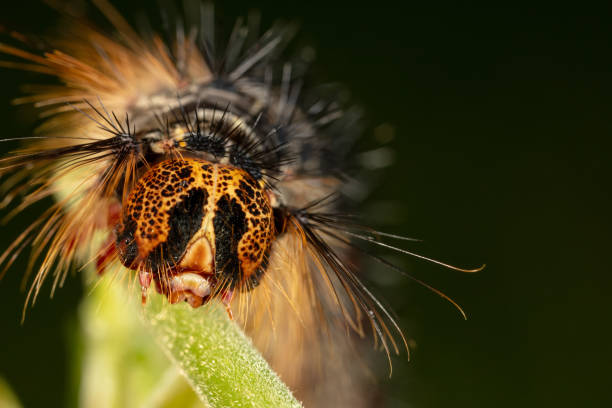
(502, 119)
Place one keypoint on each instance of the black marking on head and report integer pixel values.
(126, 244)
(185, 219)
(230, 225)
(184, 172)
(248, 189)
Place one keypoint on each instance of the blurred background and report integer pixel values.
(499, 123)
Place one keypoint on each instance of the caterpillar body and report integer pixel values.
(212, 172)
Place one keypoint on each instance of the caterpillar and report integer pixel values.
(213, 170)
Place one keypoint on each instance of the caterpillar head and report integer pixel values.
(196, 228)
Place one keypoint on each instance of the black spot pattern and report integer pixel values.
(230, 225)
(185, 220)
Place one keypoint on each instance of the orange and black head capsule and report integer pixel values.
(196, 228)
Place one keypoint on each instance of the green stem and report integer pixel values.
(215, 356)
(122, 364)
